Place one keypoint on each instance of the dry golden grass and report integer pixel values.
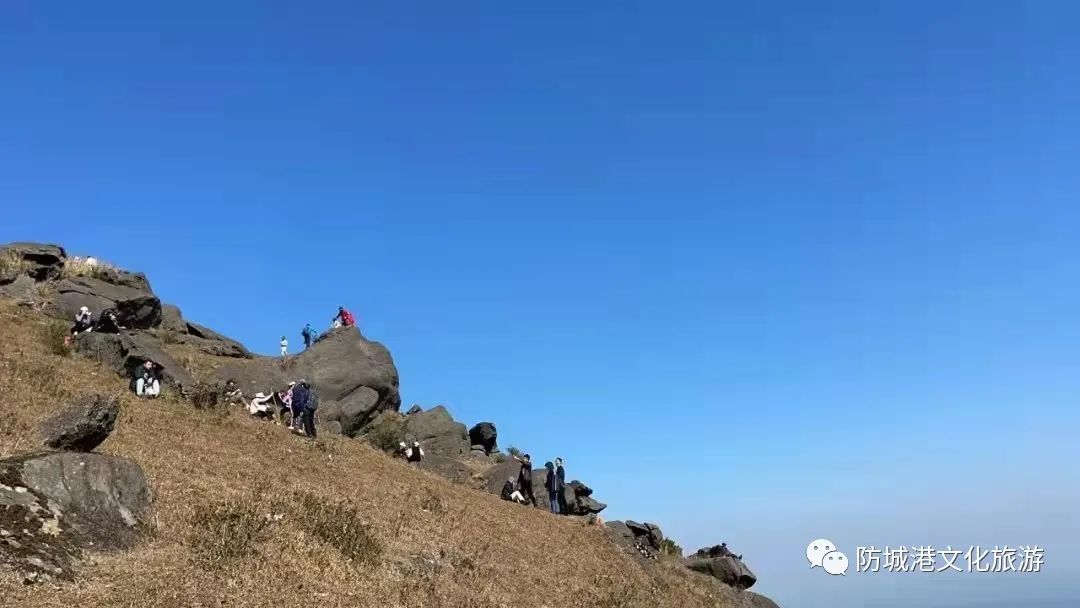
(246, 514)
(88, 267)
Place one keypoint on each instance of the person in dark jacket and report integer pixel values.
(560, 486)
(298, 405)
(551, 484)
(147, 380)
(311, 404)
(525, 479)
(416, 453)
(309, 335)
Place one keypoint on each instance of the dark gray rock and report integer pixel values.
(338, 366)
(447, 468)
(723, 566)
(55, 506)
(83, 425)
(125, 352)
(39, 261)
(211, 342)
(415, 409)
(22, 289)
(135, 308)
(172, 319)
(496, 476)
(437, 432)
(484, 435)
(760, 601)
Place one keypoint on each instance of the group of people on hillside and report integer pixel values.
(298, 402)
(107, 322)
(344, 318)
(520, 489)
(413, 455)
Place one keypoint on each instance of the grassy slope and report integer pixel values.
(475, 550)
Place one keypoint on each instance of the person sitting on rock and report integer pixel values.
(416, 453)
(402, 451)
(147, 380)
(525, 478)
(261, 406)
(345, 317)
(309, 335)
(511, 493)
(108, 322)
(232, 393)
(83, 321)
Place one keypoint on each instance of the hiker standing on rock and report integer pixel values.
(560, 486)
(284, 347)
(299, 401)
(345, 317)
(525, 479)
(309, 336)
(416, 453)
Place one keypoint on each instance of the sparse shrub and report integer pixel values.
(225, 532)
(670, 547)
(54, 335)
(203, 395)
(499, 457)
(11, 264)
(88, 267)
(339, 525)
(516, 453)
(387, 434)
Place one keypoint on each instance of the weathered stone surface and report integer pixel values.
(338, 366)
(135, 308)
(23, 289)
(438, 433)
(83, 425)
(125, 352)
(720, 564)
(447, 467)
(484, 435)
(415, 409)
(39, 261)
(211, 342)
(760, 601)
(172, 319)
(55, 506)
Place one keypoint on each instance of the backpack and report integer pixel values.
(308, 333)
(312, 400)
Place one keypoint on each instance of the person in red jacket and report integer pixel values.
(347, 319)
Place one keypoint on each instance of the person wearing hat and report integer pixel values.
(344, 317)
(82, 321)
(260, 405)
(402, 451)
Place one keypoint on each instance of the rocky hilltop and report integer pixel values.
(360, 400)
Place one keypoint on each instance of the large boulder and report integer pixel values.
(172, 319)
(496, 476)
(22, 289)
(438, 433)
(485, 435)
(722, 565)
(39, 261)
(125, 352)
(212, 342)
(83, 425)
(647, 533)
(579, 500)
(356, 374)
(447, 467)
(760, 601)
(136, 308)
(54, 506)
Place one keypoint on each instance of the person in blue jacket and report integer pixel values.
(309, 335)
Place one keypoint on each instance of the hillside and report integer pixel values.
(246, 514)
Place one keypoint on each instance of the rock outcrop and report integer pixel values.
(39, 261)
(719, 563)
(484, 435)
(579, 500)
(54, 506)
(438, 432)
(83, 425)
(137, 308)
(355, 378)
(125, 352)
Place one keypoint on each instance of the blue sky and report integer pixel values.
(760, 272)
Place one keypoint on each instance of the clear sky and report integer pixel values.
(761, 272)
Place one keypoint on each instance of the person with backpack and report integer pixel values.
(311, 404)
(525, 479)
(347, 319)
(298, 403)
(309, 336)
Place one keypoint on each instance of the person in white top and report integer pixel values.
(284, 347)
(261, 405)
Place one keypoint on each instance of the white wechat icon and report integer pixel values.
(816, 551)
(835, 563)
